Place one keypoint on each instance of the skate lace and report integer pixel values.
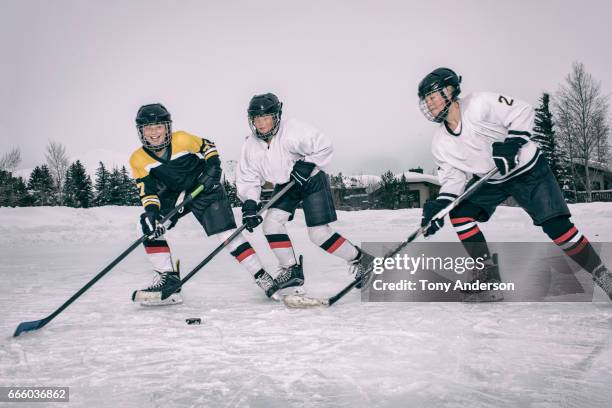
(603, 278)
(158, 281)
(358, 267)
(265, 281)
(285, 274)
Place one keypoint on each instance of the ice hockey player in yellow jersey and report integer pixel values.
(167, 164)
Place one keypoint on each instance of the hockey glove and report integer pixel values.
(250, 219)
(505, 154)
(211, 176)
(430, 209)
(301, 172)
(150, 221)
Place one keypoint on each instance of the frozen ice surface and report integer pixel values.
(251, 352)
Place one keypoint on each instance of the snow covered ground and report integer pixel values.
(251, 352)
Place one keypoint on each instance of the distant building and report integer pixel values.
(601, 184)
(364, 192)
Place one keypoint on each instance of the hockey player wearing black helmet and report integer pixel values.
(167, 164)
(279, 151)
(437, 92)
(479, 132)
(264, 113)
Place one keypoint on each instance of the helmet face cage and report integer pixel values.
(438, 81)
(264, 105)
(161, 146)
(154, 114)
(272, 132)
(441, 116)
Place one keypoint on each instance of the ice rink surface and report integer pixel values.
(252, 352)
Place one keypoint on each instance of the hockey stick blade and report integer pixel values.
(304, 302)
(28, 326)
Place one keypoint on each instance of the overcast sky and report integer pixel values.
(76, 71)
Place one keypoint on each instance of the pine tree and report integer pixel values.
(115, 181)
(41, 186)
(102, 194)
(78, 191)
(544, 135)
(13, 191)
(129, 191)
(388, 185)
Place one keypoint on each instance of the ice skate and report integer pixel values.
(290, 280)
(360, 267)
(165, 290)
(266, 283)
(603, 277)
(489, 274)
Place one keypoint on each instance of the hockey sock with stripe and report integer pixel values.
(242, 250)
(276, 234)
(575, 245)
(471, 237)
(332, 242)
(159, 254)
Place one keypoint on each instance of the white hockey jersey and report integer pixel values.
(260, 162)
(485, 118)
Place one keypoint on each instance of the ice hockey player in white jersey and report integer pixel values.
(277, 151)
(167, 164)
(477, 133)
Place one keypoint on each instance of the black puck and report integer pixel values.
(193, 320)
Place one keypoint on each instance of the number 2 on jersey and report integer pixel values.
(504, 99)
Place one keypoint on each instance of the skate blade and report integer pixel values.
(154, 299)
(173, 299)
(482, 297)
(292, 290)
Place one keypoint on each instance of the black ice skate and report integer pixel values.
(360, 267)
(290, 280)
(488, 275)
(603, 277)
(266, 283)
(165, 290)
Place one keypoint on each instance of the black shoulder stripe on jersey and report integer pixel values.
(447, 196)
(519, 133)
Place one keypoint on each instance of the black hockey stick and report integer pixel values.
(302, 302)
(37, 324)
(225, 243)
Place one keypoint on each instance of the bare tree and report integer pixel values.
(11, 160)
(58, 164)
(582, 126)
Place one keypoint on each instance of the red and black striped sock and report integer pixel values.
(471, 237)
(279, 241)
(572, 242)
(333, 243)
(159, 254)
(283, 249)
(243, 251)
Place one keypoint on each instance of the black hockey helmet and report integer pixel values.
(262, 105)
(437, 81)
(154, 114)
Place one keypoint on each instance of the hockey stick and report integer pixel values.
(303, 302)
(225, 243)
(37, 324)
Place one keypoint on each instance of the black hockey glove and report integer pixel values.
(505, 154)
(250, 219)
(431, 208)
(301, 171)
(211, 176)
(150, 221)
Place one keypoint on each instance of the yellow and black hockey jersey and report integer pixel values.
(177, 170)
